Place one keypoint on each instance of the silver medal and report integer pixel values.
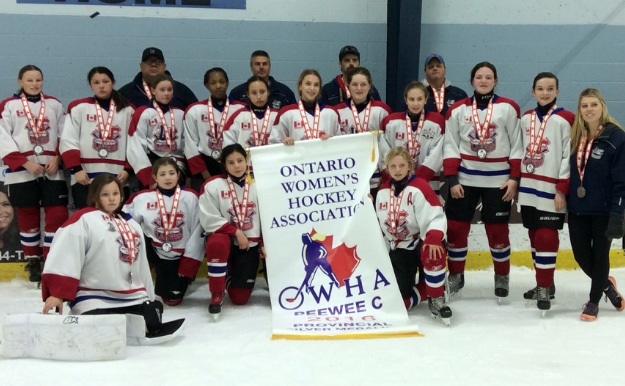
(530, 168)
(103, 153)
(167, 247)
(481, 153)
(581, 192)
(38, 150)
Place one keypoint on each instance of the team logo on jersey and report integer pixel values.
(489, 144)
(214, 144)
(248, 223)
(110, 144)
(91, 117)
(338, 265)
(42, 137)
(160, 141)
(276, 105)
(597, 153)
(537, 159)
(428, 133)
(174, 234)
(401, 231)
(123, 248)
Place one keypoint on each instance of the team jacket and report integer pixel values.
(289, 123)
(217, 214)
(429, 160)
(604, 177)
(198, 138)
(551, 163)
(81, 140)
(134, 92)
(186, 235)
(148, 135)
(239, 128)
(420, 216)
(89, 264)
(379, 111)
(504, 147)
(334, 92)
(17, 141)
(279, 96)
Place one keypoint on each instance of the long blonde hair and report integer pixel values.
(579, 126)
(402, 152)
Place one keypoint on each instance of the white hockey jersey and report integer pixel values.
(18, 141)
(199, 138)
(147, 134)
(503, 145)
(550, 164)
(90, 266)
(420, 215)
(289, 123)
(82, 143)
(186, 236)
(239, 129)
(217, 214)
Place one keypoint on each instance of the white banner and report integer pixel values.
(328, 267)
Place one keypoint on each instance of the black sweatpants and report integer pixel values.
(591, 248)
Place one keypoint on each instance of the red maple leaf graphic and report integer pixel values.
(343, 259)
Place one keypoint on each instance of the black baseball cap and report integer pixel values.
(152, 51)
(348, 50)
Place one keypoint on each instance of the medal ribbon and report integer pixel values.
(439, 98)
(240, 207)
(146, 88)
(128, 237)
(393, 210)
(482, 128)
(414, 143)
(36, 126)
(168, 222)
(169, 130)
(217, 131)
(535, 140)
(342, 85)
(365, 123)
(314, 132)
(105, 130)
(584, 154)
(257, 136)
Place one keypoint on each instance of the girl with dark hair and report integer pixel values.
(204, 124)
(596, 199)
(94, 135)
(229, 214)
(251, 126)
(169, 219)
(9, 230)
(307, 119)
(482, 162)
(30, 125)
(545, 172)
(155, 132)
(98, 263)
(420, 132)
(361, 114)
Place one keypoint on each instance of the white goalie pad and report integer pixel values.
(64, 337)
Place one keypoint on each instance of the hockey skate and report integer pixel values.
(543, 300)
(531, 294)
(33, 267)
(502, 287)
(440, 310)
(214, 308)
(453, 285)
(612, 294)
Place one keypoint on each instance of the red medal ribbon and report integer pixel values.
(365, 122)
(439, 98)
(260, 137)
(127, 236)
(240, 207)
(414, 139)
(217, 131)
(535, 140)
(35, 126)
(583, 153)
(146, 88)
(169, 130)
(311, 133)
(168, 222)
(105, 129)
(393, 210)
(482, 128)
